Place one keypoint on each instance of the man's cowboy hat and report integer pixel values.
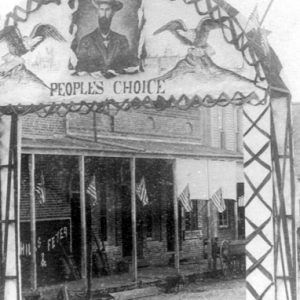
(115, 5)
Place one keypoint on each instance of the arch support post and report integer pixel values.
(270, 210)
(10, 167)
(260, 277)
(285, 242)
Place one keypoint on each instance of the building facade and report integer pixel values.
(157, 139)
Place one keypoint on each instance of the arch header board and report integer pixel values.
(75, 50)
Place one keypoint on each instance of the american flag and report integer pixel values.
(91, 191)
(260, 39)
(40, 190)
(185, 200)
(241, 201)
(264, 40)
(141, 191)
(217, 199)
(254, 17)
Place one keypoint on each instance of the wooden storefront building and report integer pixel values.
(64, 154)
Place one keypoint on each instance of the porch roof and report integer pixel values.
(122, 146)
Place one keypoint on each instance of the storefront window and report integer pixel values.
(224, 218)
(149, 224)
(191, 218)
(103, 225)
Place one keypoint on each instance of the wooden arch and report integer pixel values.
(271, 267)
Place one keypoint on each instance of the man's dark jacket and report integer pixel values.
(94, 56)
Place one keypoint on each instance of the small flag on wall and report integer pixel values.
(260, 39)
(40, 190)
(241, 201)
(217, 199)
(142, 192)
(185, 200)
(254, 17)
(91, 191)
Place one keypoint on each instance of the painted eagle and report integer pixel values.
(19, 45)
(193, 37)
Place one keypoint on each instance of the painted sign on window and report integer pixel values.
(52, 244)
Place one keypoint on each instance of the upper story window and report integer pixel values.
(221, 126)
(189, 127)
(238, 127)
(151, 123)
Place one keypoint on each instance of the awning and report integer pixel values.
(127, 145)
(206, 176)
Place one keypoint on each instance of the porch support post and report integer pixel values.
(83, 220)
(133, 218)
(260, 279)
(176, 224)
(33, 267)
(210, 228)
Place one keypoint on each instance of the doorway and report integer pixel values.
(127, 225)
(170, 226)
(126, 221)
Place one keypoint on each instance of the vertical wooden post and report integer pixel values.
(89, 249)
(176, 224)
(83, 219)
(209, 220)
(133, 218)
(17, 194)
(95, 127)
(259, 213)
(10, 196)
(5, 137)
(209, 235)
(1, 226)
(33, 267)
(293, 200)
(284, 212)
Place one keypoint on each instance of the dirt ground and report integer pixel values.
(202, 289)
(221, 290)
(210, 290)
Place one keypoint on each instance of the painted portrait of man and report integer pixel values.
(104, 51)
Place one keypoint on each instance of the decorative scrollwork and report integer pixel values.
(159, 103)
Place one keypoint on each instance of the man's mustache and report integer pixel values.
(104, 21)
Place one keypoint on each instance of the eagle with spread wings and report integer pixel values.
(19, 45)
(197, 37)
(197, 60)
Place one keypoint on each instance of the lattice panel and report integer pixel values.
(284, 201)
(10, 277)
(258, 207)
